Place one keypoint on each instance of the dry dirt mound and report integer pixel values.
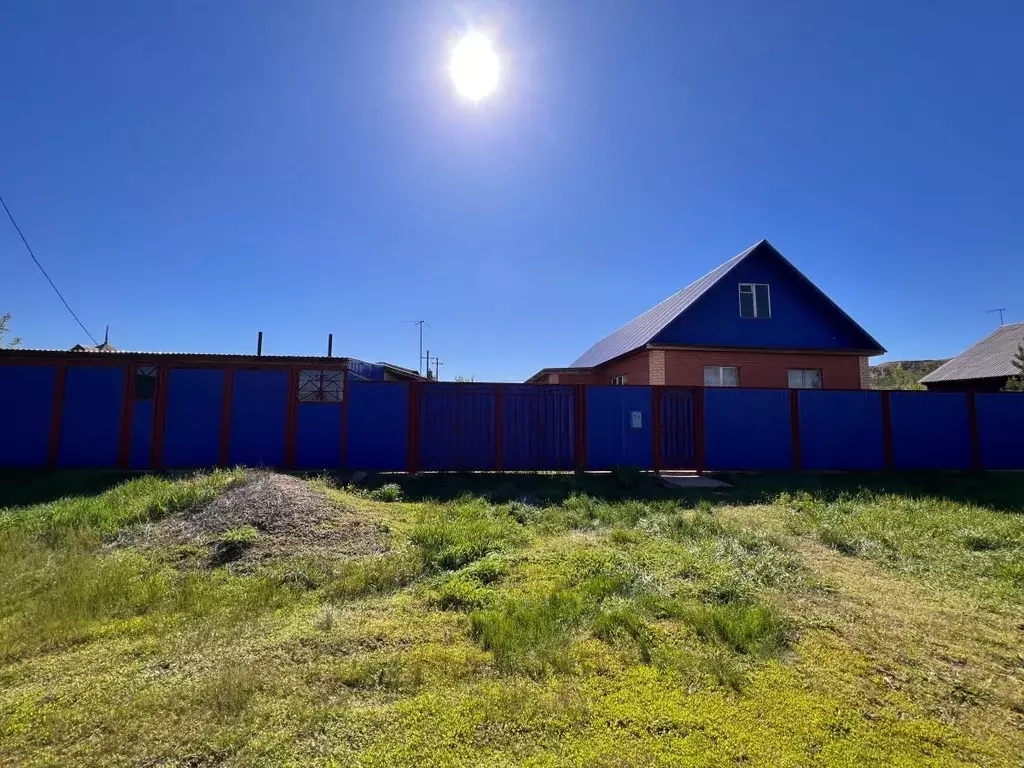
(289, 517)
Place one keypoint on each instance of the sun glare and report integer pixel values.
(474, 66)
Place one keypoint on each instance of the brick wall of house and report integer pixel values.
(685, 368)
(761, 369)
(865, 373)
(636, 369)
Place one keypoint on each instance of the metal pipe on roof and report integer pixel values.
(330, 344)
(259, 343)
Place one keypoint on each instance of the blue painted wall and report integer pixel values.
(537, 427)
(747, 429)
(259, 408)
(142, 434)
(800, 317)
(90, 429)
(841, 430)
(378, 423)
(318, 441)
(28, 391)
(1000, 426)
(612, 440)
(930, 430)
(457, 427)
(192, 431)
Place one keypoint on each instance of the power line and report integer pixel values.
(55, 289)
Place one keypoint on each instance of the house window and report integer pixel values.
(718, 376)
(804, 378)
(320, 386)
(145, 382)
(755, 301)
(619, 380)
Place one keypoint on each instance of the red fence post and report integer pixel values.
(656, 427)
(60, 379)
(887, 429)
(124, 450)
(163, 378)
(699, 452)
(499, 458)
(794, 427)
(972, 420)
(227, 395)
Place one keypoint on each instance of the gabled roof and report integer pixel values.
(990, 358)
(641, 330)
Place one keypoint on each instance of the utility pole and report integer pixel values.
(437, 373)
(428, 363)
(1000, 311)
(419, 362)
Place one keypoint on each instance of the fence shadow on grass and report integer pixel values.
(1002, 491)
(19, 488)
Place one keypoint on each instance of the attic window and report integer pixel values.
(320, 386)
(755, 301)
(619, 380)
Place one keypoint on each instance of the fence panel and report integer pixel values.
(930, 430)
(318, 436)
(90, 431)
(677, 429)
(1000, 427)
(747, 429)
(378, 426)
(259, 409)
(192, 427)
(841, 430)
(141, 452)
(27, 392)
(619, 427)
(457, 427)
(537, 427)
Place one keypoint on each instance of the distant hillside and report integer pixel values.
(902, 374)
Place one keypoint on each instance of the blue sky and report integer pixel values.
(191, 171)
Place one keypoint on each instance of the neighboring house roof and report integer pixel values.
(642, 330)
(990, 358)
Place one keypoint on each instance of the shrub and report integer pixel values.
(390, 492)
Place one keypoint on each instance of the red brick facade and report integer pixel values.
(685, 368)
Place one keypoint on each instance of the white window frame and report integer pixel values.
(753, 300)
(803, 378)
(720, 370)
(620, 380)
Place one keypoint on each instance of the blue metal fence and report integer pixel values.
(841, 430)
(748, 429)
(86, 415)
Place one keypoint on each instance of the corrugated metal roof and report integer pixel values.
(990, 358)
(642, 329)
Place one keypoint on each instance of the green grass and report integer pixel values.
(525, 620)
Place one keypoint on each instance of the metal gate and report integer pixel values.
(678, 431)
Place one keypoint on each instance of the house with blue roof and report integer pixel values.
(754, 321)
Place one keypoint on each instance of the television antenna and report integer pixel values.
(1000, 311)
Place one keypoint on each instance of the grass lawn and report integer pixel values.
(520, 620)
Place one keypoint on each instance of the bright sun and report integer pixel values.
(474, 66)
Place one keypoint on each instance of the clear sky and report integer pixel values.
(192, 171)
